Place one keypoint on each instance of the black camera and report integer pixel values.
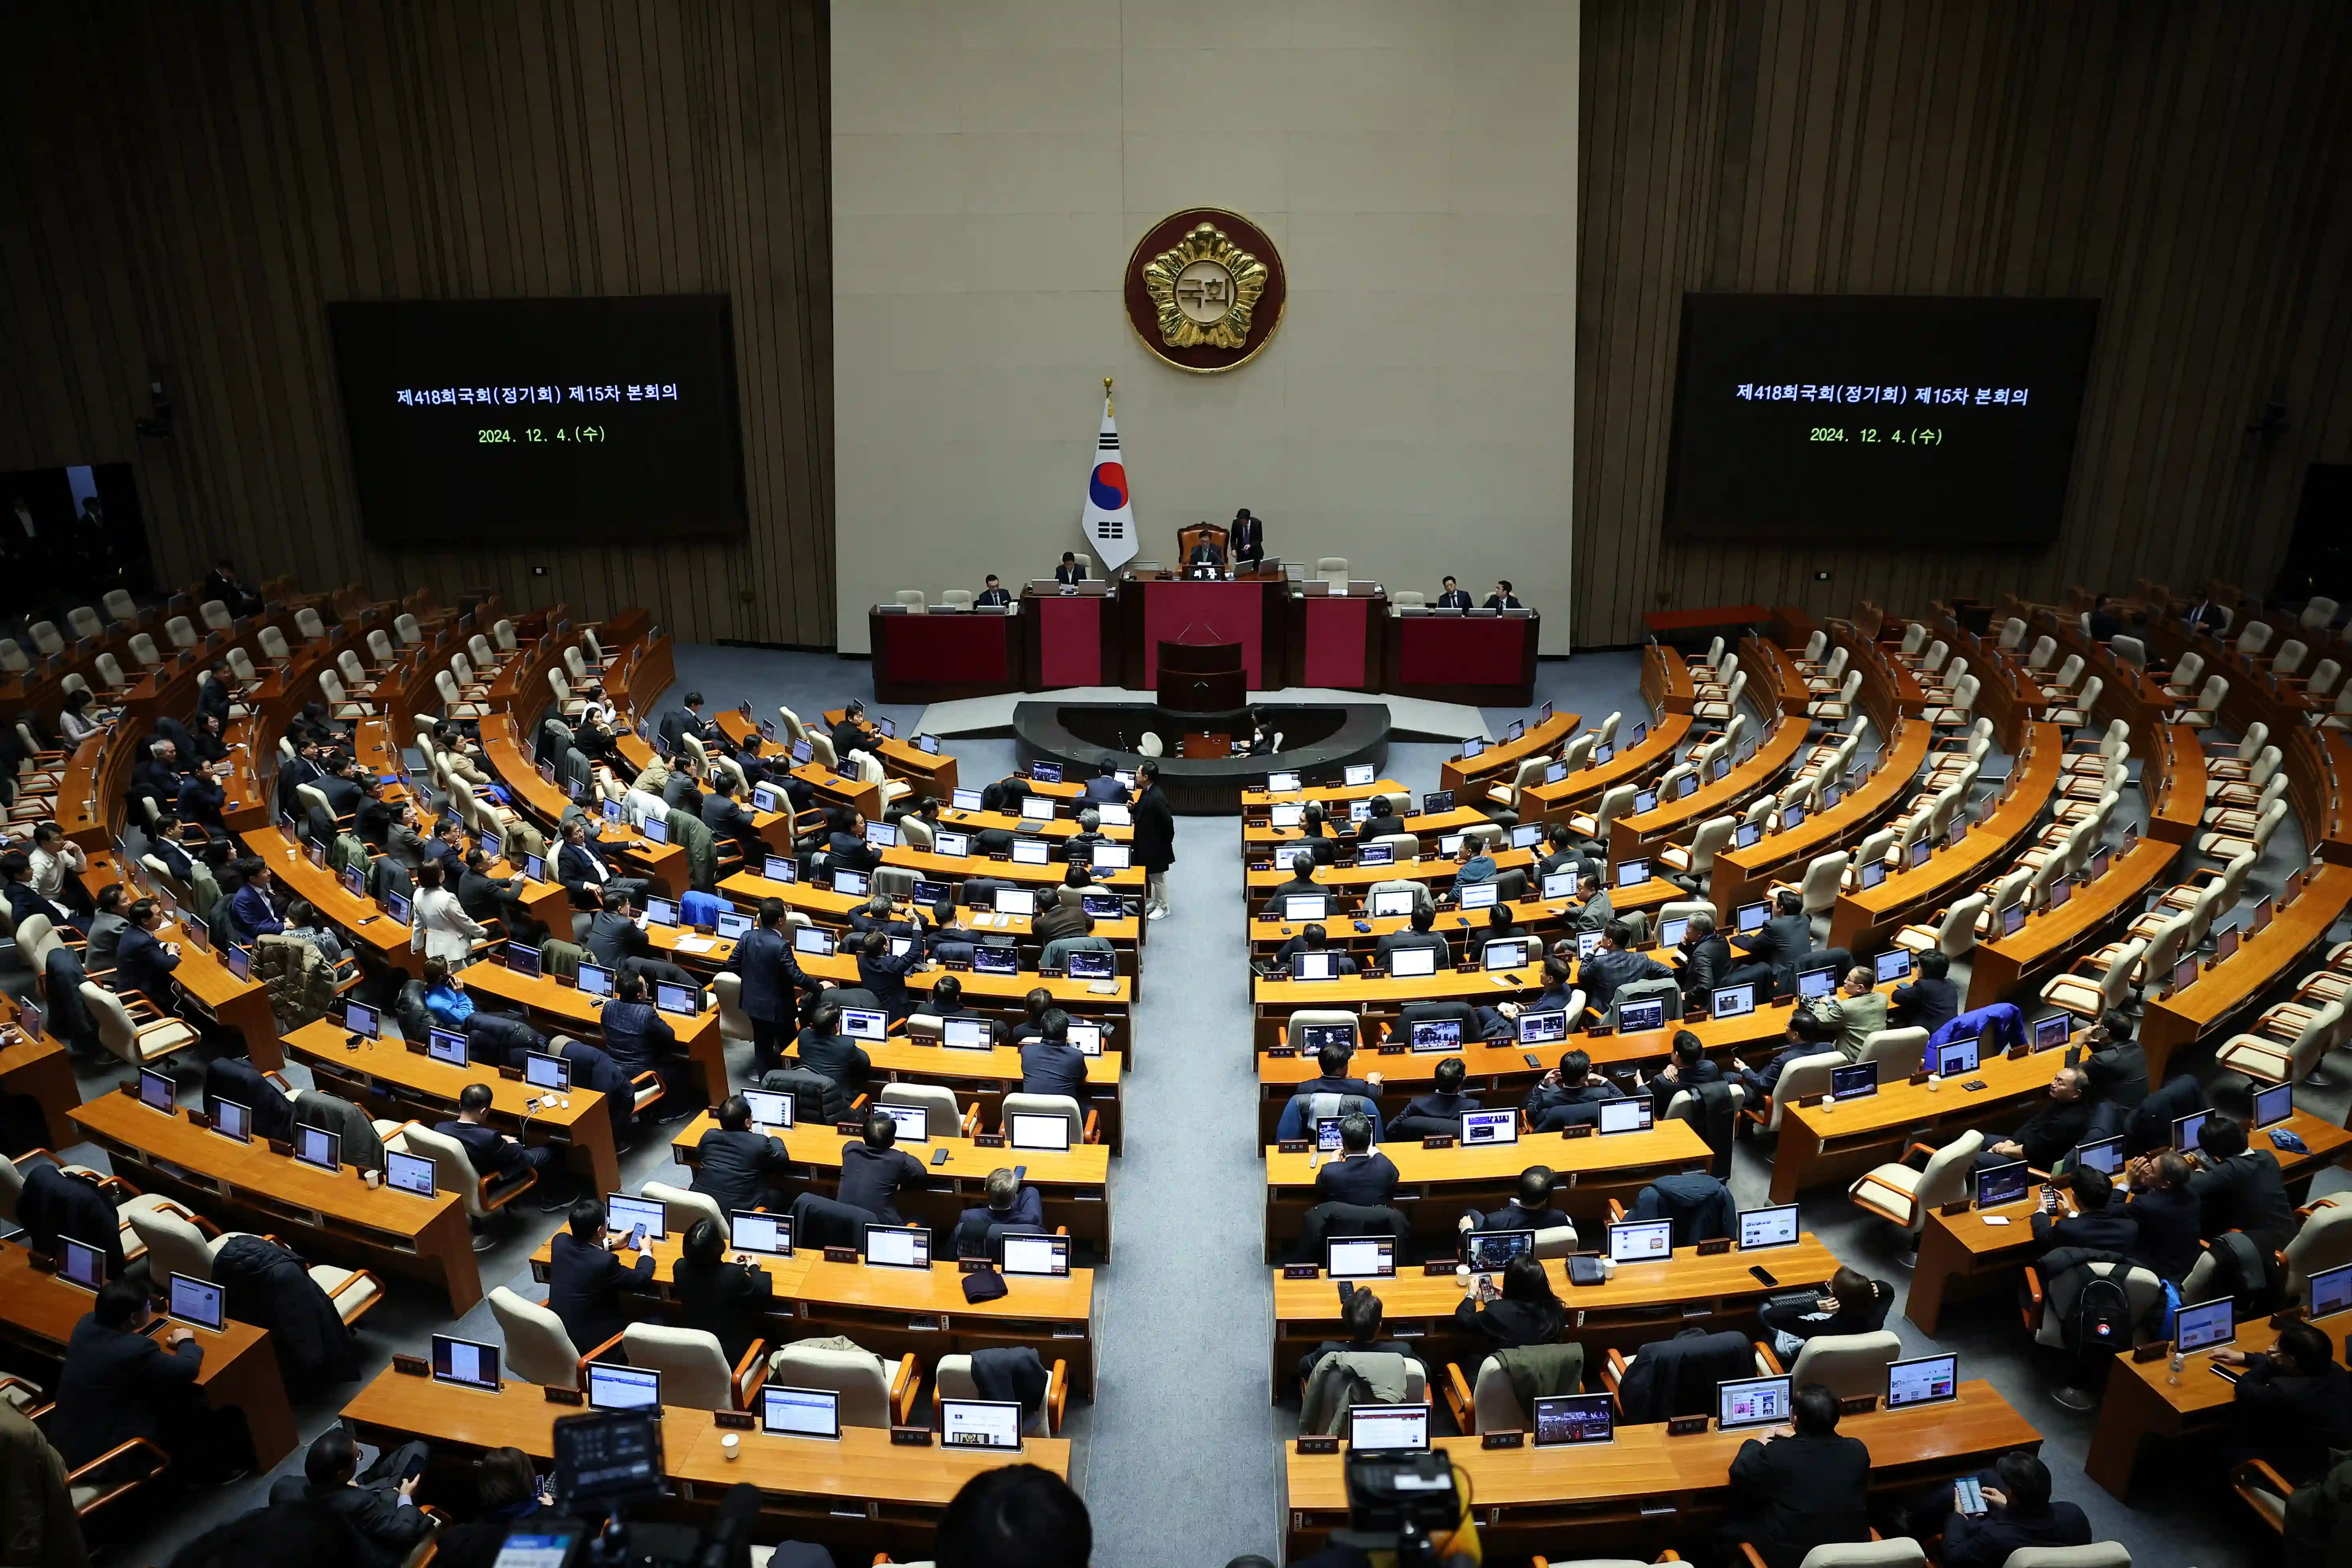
(605, 1461)
(1400, 1502)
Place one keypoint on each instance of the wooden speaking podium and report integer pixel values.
(1202, 679)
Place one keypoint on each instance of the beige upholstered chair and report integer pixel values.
(873, 1393)
(539, 1349)
(942, 1118)
(1848, 1366)
(955, 1381)
(683, 1206)
(1903, 1196)
(694, 1368)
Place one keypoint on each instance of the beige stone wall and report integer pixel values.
(1415, 161)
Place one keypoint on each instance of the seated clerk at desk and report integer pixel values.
(2293, 1405)
(1051, 1064)
(639, 1040)
(341, 784)
(584, 1280)
(1851, 1303)
(2100, 1222)
(495, 1154)
(380, 1506)
(2051, 1133)
(1361, 1175)
(1523, 1312)
(1452, 596)
(1312, 938)
(1071, 570)
(445, 997)
(1011, 1207)
(1437, 1114)
(1807, 1035)
(1031, 1024)
(875, 1170)
(1500, 926)
(992, 596)
(1363, 1317)
(1929, 1002)
(587, 874)
(1688, 1068)
(1502, 599)
(1569, 1093)
(1613, 965)
(1590, 910)
(1800, 1486)
(1529, 1208)
(735, 1166)
(1422, 933)
(2019, 1514)
(118, 1383)
(725, 1300)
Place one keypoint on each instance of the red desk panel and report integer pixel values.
(1203, 613)
(1444, 651)
(919, 658)
(1333, 655)
(1069, 640)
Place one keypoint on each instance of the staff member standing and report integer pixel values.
(1249, 540)
(1155, 839)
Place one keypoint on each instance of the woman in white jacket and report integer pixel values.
(439, 926)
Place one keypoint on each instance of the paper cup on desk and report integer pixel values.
(730, 1446)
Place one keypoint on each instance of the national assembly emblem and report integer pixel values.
(1204, 289)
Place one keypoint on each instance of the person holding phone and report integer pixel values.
(1851, 1303)
(380, 1506)
(584, 1280)
(2018, 1513)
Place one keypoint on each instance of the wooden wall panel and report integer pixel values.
(2188, 164)
(186, 182)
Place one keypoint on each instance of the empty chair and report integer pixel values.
(46, 639)
(1848, 1366)
(539, 1349)
(404, 627)
(122, 607)
(1332, 570)
(2254, 638)
(955, 599)
(1897, 1052)
(85, 621)
(910, 600)
(143, 651)
(273, 644)
(1905, 1197)
(2279, 1050)
(140, 1045)
(1953, 935)
(180, 632)
(340, 704)
(873, 1393)
(683, 1206)
(306, 623)
(694, 1368)
(502, 633)
(2204, 713)
(941, 1117)
(1081, 1124)
(1405, 599)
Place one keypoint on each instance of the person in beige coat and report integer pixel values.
(439, 926)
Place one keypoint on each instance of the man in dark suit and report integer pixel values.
(875, 1170)
(1314, 939)
(1774, 952)
(1557, 1101)
(2204, 615)
(773, 984)
(853, 733)
(1807, 1035)
(1437, 1114)
(1530, 1209)
(2099, 1223)
(1105, 785)
(1502, 598)
(2294, 1404)
(1707, 958)
(213, 696)
(823, 1048)
(584, 1280)
(1302, 883)
(729, 1301)
(995, 596)
(1359, 1175)
(2239, 1188)
(1051, 1064)
(1688, 1068)
(2050, 1133)
(723, 814)
(879, 913)
(1422, 933)
(2117, 1063)
(1611, 966)
(2104, 625)
(380, 1506)
(1452, 596)
(735, 1165)
(143, 963)
(1333, 1079)
(221, 583)
(493, 1152)
(1248, 534)
(614, 937)
(884, 972)
(1205, 553)
(118, 1383)
(639, 1039)
(1071, 570)
(2019, 1513)
(1801, 1485)
(483, 897)
(341, 787)
(1931, 1001)
(846, 848)
(686, 720)
(585, 873)
(1010, 1206)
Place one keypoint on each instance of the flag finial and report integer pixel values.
(1106, 392)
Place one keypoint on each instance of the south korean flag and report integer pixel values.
(1109, 512)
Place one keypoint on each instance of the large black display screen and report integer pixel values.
(1869, 420)
(549, 421)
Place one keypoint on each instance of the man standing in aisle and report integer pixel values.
(1155, 839)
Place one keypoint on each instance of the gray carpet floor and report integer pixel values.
(1178, 1456)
